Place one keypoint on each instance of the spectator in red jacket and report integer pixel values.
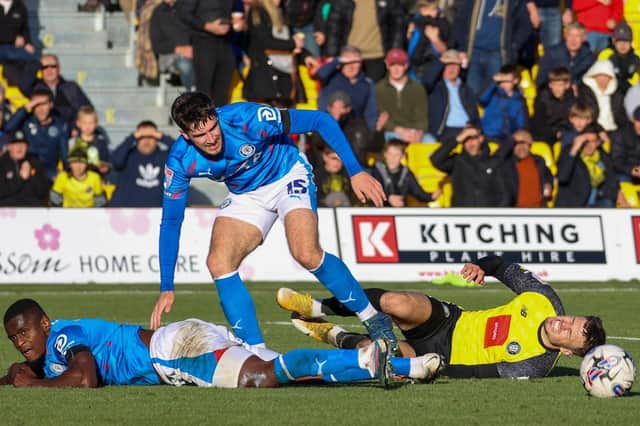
(599, 18)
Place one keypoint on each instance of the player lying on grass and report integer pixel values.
(94, 352)
(521, 339)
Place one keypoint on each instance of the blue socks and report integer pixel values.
(317, 362)
(337, 278)
(239, 308)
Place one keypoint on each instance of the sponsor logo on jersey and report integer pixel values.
(268, 114)
(247, 150)
(375, 238)
(61, 343)
(497, 330)
(513, 348)
(168, 177)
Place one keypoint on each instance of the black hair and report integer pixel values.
(42, 91)
(191, 110)
(560, 74)
(397, 143)
(22, 306)
(594, 334)
(510, 69)
(147, 123)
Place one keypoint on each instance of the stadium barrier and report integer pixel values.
(120, 245)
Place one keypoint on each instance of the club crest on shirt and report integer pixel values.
(57, 368)
(247, 150)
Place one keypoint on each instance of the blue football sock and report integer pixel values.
(401, 366)
(315, 362)
(350, 375)
(337, 278)
(239, 309)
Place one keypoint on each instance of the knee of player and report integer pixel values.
(257, 373)
(308, 257)
(217, 266)
(396, 303)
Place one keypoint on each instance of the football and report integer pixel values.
(607, 371)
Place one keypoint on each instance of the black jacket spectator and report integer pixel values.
(559, 56)
(17, 192)
(299, 13)
(167, 30)
(68, 97)
(14, 23)
(265, 83)
(551, 115)
(574, 181)
(625, 151)
(477, 180)
(402, 182)
(391, 19)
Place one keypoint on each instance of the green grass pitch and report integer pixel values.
(558, 399)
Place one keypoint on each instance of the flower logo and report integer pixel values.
(48, 237)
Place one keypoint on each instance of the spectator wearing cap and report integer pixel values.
(625, 150)
(574, 54)
(452, 104)
(599, 89)
(476, 175)
(586, 177)
(491, 33)
(68, 97)
(23, 180)
(374, 27)
(404, 100)
(345, 74)
(139, 163)
(78, 187)
(625, 61)
(599, 19)
(47, 134)
(527, 177)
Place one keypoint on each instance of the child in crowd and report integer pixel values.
(428, 34)
(580, 116)
(332, 181)
(397, 180)
(552, 105)
(505, 109)
(93, 139)
(78, 187)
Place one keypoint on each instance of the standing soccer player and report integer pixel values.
(245, 145)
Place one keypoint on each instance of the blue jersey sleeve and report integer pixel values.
(302, 121)
(174, 202)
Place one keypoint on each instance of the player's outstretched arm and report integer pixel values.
(80, 374)
(365, 187)
(13, 371)
(163, 305)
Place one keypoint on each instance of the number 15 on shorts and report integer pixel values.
(297, 187)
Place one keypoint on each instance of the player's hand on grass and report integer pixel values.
(473, 273)
(365, 187)
(163, 305)
(21, 375)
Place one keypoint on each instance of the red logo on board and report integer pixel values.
(635, 223)
(375, 239)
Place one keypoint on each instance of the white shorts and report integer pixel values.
(262, 206)
(200, 353)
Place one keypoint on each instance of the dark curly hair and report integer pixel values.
(191, 110)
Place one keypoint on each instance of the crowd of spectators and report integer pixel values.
(392, 73)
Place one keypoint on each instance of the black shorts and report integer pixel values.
(434, 335)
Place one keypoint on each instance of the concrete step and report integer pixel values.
(79, 57)
(69, 21)
(124, 97)
(52, 5)
(132, 115)
(94, 40)
(102, 77)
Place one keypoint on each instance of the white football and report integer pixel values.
(607, 371)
